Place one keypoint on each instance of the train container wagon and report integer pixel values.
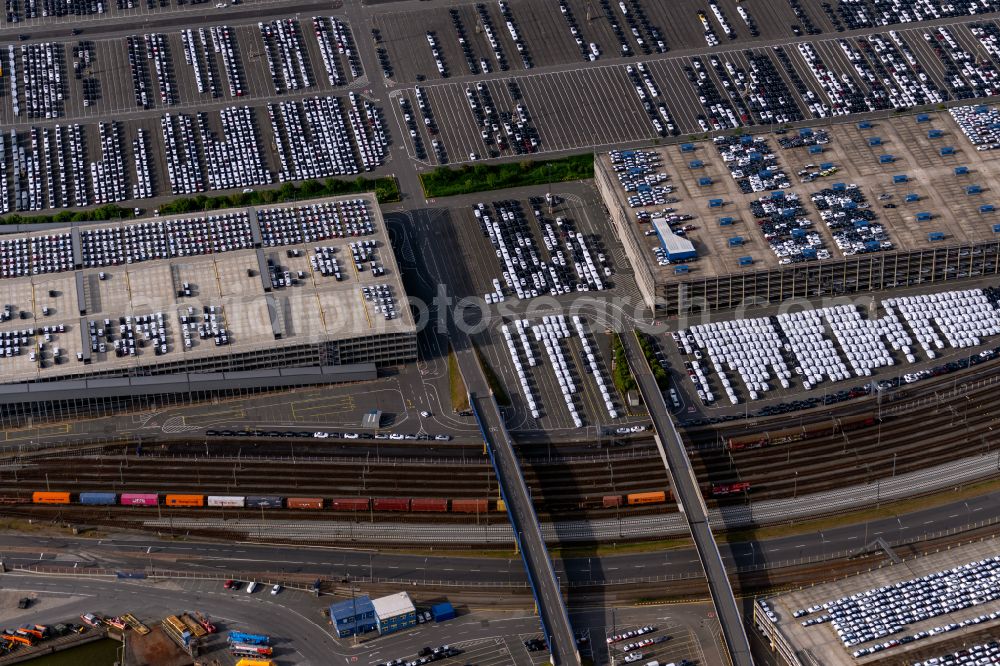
(726, 489)
(349, 504)
(611, 501)
(139, 499)
(185, 500)
(264, 501)
(304, 502)
(103, 499)
(226, 501)
(470, 505)
(501, 505)
(429, 504)
(391, 504)
(49, 498)
(657, 497)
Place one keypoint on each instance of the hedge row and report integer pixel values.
(448, 181)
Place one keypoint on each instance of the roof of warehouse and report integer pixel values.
(393, 605)
(318, 309)
(672, 243)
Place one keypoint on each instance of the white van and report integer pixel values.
(251, 588)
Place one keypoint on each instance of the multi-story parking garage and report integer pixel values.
(244, 289)
(930, 199)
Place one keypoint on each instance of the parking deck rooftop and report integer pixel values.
(948, 196)
(314, 308)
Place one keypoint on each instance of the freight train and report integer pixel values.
(390, 504)
(798, 433)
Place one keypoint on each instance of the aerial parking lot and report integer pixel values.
(587, 104)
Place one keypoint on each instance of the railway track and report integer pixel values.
(567, 487)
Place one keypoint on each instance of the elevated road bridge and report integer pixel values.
(692, 504)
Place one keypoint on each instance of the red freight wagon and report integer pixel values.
(350, 504)
(428, 504)
(391, 504)
(470, 505)
(611, 501)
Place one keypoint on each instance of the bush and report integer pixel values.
(621, 375)
(662, 379)
(448, 181)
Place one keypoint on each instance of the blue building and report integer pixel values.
(353, 616)
(677, 247)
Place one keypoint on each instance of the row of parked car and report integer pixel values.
(234, 160)
(394, 436)
(42, 79)
(287, 60)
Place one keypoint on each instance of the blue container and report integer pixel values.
(923, 118)
(935, 236)
(923, 216)
(900, 178)
(805, 131)
(680, 270)
(986, 208)
(910, 198)
(798, 233)
(864, 124)
(973, 189)
(886, 159)
(778, 196)
(826, 165)
(961, 170)
(715, 203)
(725, 221)
(99, 498)
(442, 611)
(934, 134)
(736, 241)
(838, 187)
(696, 164)
(815, 150)
(875, 141)
(748, 260)
(704, 181)
(687, 147)
(947, 150)
(809, 253)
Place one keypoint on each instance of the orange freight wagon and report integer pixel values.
(304, 502)
(50, 498)
(647, 498)
(470, 505)
(185, 500)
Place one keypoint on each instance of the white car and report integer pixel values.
(632, 656)
(350, 435)
(442, 438)
(321, 435)
(276, 589)
(425, 414)
(395, 435)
